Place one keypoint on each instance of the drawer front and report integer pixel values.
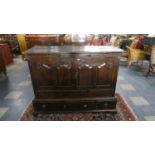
(44, 106)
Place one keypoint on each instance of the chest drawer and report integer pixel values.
(74, 105)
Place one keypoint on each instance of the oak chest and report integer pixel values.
(73, 78)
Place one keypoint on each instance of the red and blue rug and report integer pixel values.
(124, 113)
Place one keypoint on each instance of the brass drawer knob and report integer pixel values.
(43, 106)
(85, 105)
(106, 105)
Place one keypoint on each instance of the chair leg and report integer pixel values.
(142, 63)
(129, 63)
(149, 70)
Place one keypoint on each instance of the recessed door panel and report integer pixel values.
(43, 69)
(84, 71)
(64, 76)
(103, 75)
(85, 76)
(96, 71)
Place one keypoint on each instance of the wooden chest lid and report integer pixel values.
(73, 49)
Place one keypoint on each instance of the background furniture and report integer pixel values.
(149, 42)
(74, 78)
(12, 42)
(134, 50)
(135, 55)
(22, 44)
(47, 40)
(6, 53)
(50, 40)
(2, 63)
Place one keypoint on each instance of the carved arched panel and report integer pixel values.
(64, 76)
(85, 76)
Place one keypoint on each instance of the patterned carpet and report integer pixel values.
(124, 113)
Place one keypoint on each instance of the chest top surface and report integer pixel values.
(73, 49)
